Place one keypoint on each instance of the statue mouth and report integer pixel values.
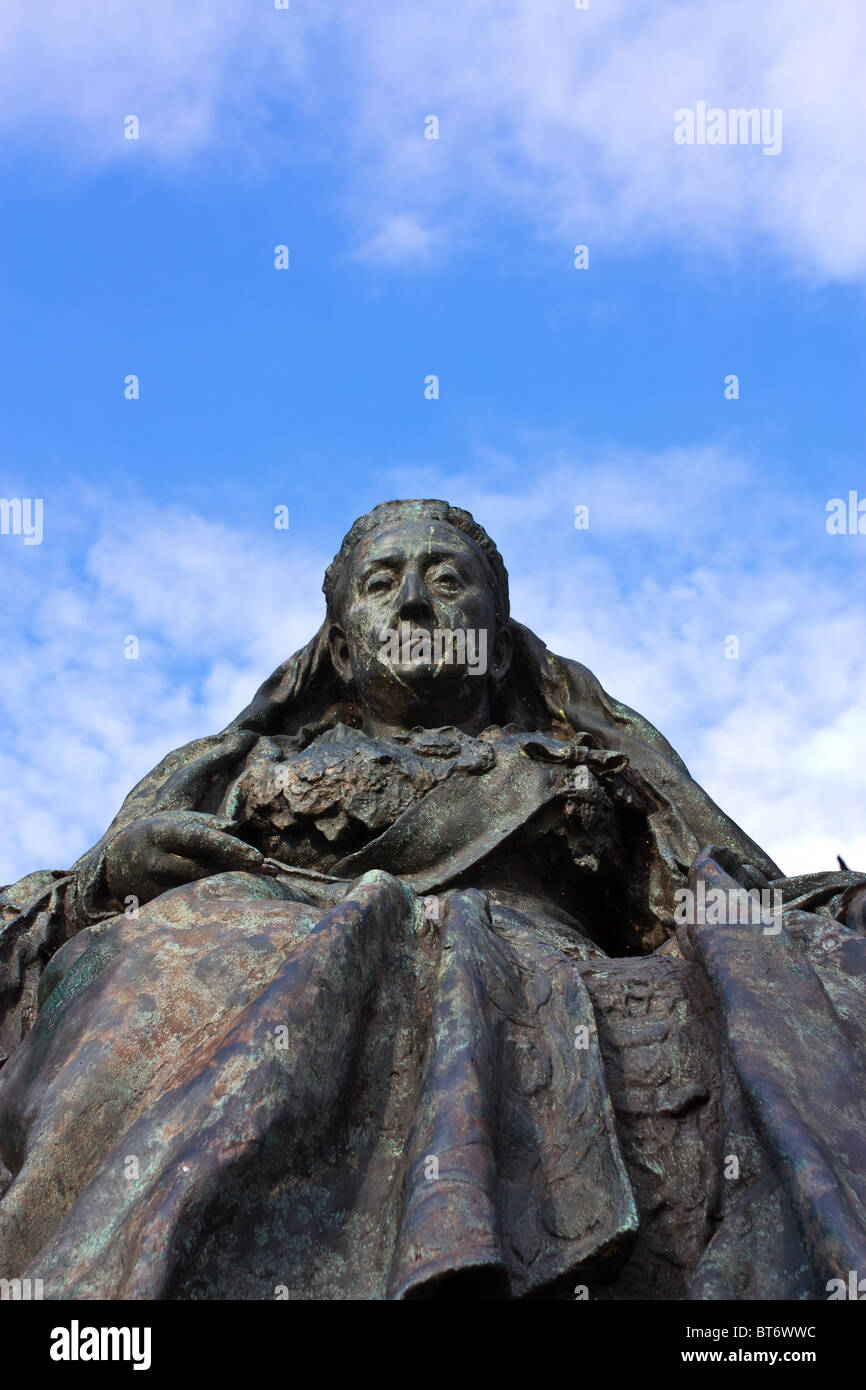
(408, 649)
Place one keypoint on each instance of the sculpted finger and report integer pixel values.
(232, 853)
(169, 870)
(202, 841)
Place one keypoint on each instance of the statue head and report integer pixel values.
(432, 567)
(418, 623)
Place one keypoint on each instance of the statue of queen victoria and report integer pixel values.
(393, 990)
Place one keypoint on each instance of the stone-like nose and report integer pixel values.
(413, 600)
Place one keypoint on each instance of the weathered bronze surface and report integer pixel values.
(379, 993)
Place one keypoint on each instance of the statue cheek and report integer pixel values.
(463, 613)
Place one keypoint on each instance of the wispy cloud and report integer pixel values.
(400, 239)
(214, 610)
(560, 117)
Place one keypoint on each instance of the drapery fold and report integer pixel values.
(402, 1099)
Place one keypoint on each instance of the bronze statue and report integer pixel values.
(393, 989)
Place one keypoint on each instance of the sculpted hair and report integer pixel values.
(417, 509)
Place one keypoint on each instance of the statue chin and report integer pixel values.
(427, 675)
(409, 692)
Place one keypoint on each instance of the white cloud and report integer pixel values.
(198, 74)
(567, 116)
(215, 610)
(563, 118)
(399, 239)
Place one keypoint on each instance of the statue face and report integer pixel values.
(419, 637)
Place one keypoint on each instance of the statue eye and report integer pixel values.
(446, 579)
(381, 579)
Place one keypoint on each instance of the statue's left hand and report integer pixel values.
(161, 851)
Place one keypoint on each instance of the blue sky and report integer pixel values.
(455, 257)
